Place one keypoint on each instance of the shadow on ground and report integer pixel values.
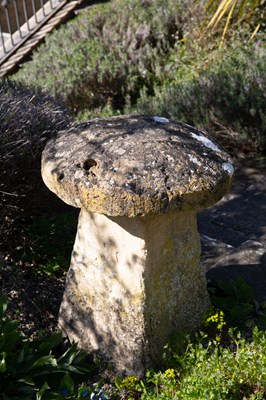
(233, 232)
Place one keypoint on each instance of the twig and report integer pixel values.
(12, 194)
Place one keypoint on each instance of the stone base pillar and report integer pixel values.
(132, 283)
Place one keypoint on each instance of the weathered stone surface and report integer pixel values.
(131, 284)
(136, 165)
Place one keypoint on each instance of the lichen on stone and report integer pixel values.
(135, 165)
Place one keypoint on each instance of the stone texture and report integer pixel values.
(131, 284)
(135, 277)
(135, 166)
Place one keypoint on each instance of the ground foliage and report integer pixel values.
(28, 117)
(220, 363)
(35, 369)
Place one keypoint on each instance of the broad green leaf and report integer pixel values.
(227, 287)
(67, 383)
(41, 392)
(27, 379)
(21, 356)
(3, 362)
(27, 392)
(69, 355)
(3, 305)
(119, 382)
(9, 326)
(51, 341)
(10, 341)
(70, 368)
(45, 360)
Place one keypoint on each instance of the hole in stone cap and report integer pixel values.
(61, 176)
(88, 164)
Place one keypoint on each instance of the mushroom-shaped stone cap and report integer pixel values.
(136, 165)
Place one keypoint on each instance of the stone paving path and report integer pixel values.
(233, 232)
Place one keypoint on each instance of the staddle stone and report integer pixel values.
(135, 276)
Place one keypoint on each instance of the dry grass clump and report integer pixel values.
(27, 119)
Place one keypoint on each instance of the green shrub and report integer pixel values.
(38, 369)
(213, 372)
(219, 363)
(108, 53)
(226, 99)
(237, 301)
(206, 369)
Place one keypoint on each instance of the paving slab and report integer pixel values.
(233, 232)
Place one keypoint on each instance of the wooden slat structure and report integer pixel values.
(17, 44)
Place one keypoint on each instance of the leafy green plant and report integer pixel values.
(236, 299)
(205, 368)
(214, 371)
(130, 386)
(37, 369)
(214, 324)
